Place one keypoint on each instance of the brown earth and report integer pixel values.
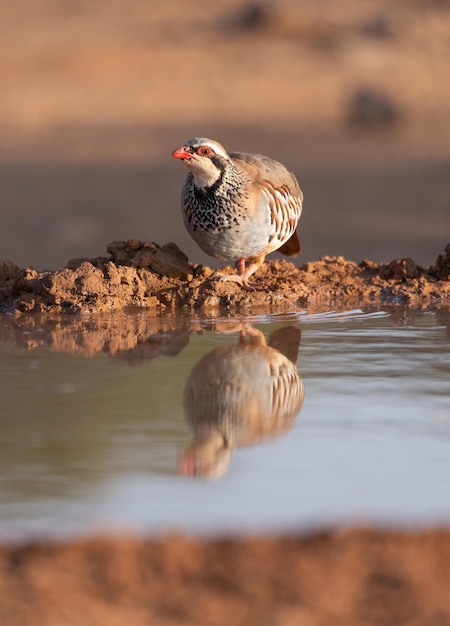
(138, 274)
(340, 578)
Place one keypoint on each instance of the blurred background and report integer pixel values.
(352, 96)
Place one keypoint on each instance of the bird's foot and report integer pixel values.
(243, 281)
(235, 278)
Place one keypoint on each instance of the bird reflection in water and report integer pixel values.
(239, 395)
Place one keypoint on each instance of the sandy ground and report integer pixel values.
(147, 275)
(344, 578)
(354, 98)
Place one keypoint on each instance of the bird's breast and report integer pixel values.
(225, 225)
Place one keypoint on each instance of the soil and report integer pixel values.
(345, 578)
(140, 274)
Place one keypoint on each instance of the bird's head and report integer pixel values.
(207, 456)
(205, 158)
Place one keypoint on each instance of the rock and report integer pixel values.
(380, 27)
(142, 258)
(252, 16)
(171, 261)
(84, 283)
(442, 267)
(167, 260)
(371, 108)
(401, 269)
(73, 264)
(8, 270)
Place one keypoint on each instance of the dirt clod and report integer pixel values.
(142, 274)
(442, 269)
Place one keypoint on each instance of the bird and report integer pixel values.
(238, 395)
(239, 206)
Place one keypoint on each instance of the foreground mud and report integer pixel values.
(343, 578)
(139, 274)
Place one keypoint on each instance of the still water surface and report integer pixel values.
(93, 434)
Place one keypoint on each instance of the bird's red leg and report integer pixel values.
(241, 266)
(245, 272)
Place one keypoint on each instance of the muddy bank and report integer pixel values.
(345, 577)
(141, 274)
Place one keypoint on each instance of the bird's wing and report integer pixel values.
(277, 190)
(265, 169)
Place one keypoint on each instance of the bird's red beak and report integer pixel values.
(182, 153)
(186, 462)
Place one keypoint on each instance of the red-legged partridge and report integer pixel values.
(238, 206)
(238, 395)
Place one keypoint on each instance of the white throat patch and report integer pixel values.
(204, 171)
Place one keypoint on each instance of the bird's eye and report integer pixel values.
(204, 151)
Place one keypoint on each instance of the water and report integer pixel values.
(93, 436)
